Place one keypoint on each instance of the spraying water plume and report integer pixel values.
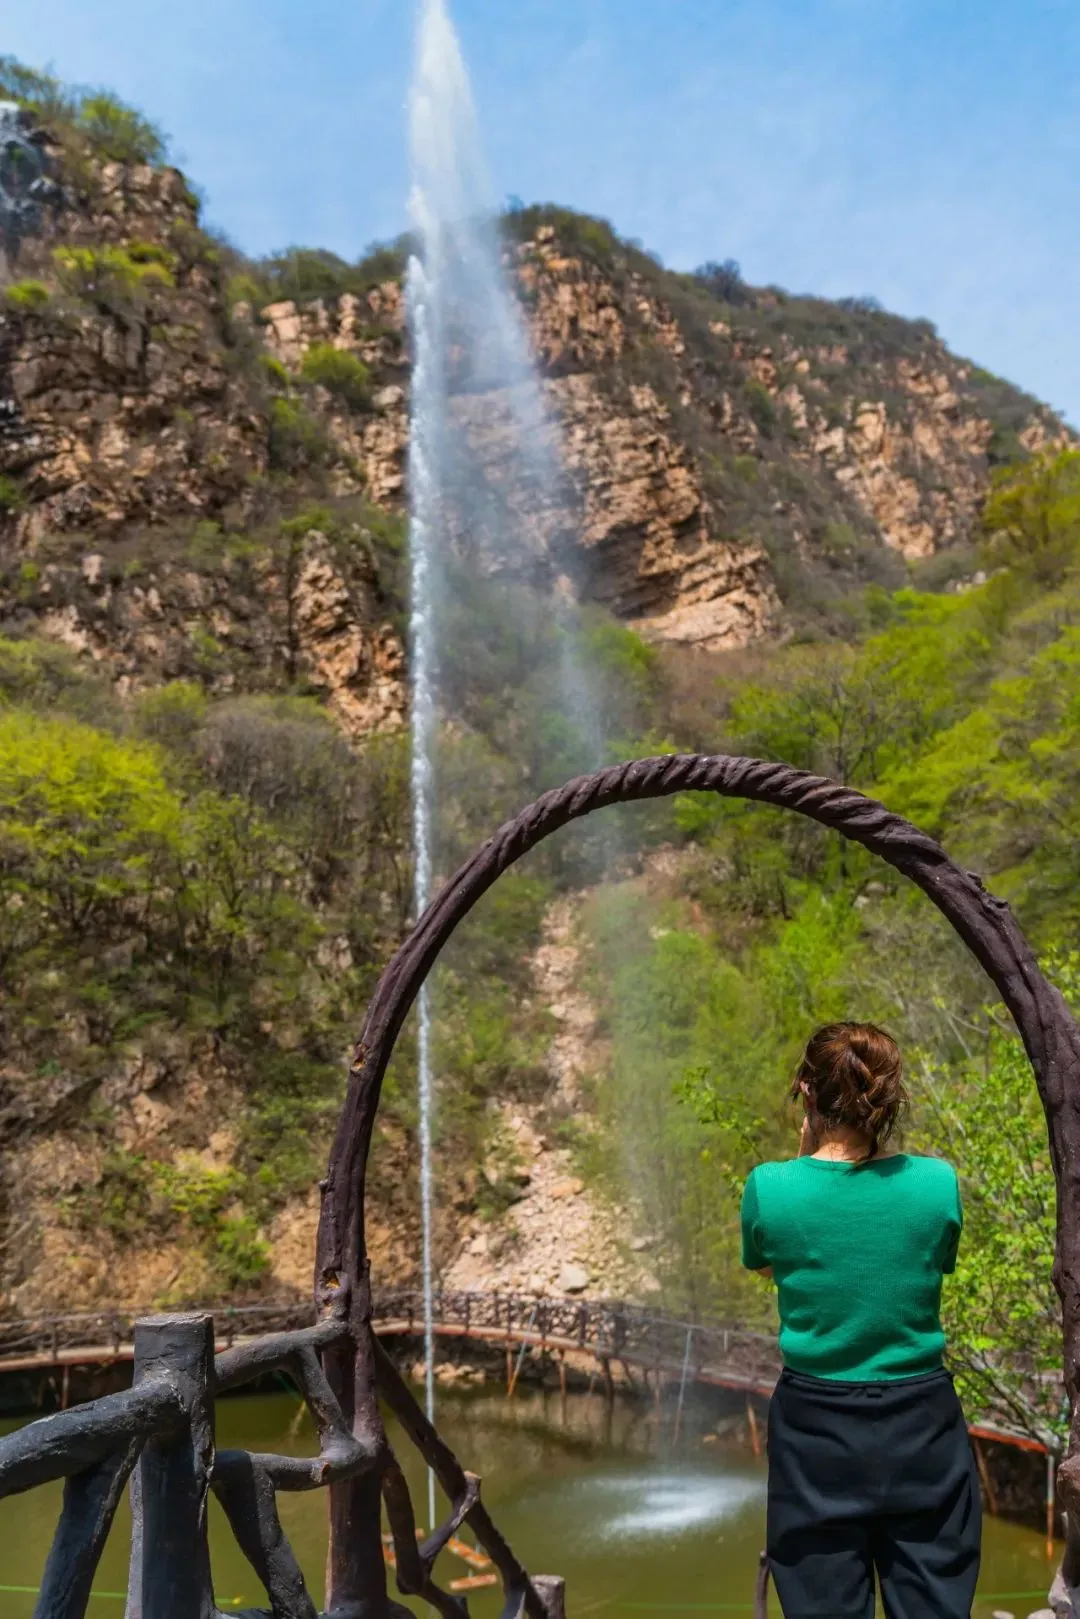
(473, 510)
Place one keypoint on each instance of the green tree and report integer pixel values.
(342, 374)
(1032, 516)
(1000, 1309)
(88, 825)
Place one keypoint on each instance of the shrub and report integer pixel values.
(276, 373)
(41, 92)
(172, 716)
(27, 297)
(239, 1253)
(114, 280)
(339, 372)
(12, 498)
(302, 274)
(296, 439)
(1032, 516)
(593, 238)
(146, 253)
(98, 121)
(725, 281)
(761, 405)
(44, 674)
(118, 132)
(383, 261)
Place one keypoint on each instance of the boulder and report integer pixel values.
(573, 1279)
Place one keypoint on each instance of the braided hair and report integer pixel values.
(853, 1074)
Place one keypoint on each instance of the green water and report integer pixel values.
(597, 1497)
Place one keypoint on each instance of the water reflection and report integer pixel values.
(659, 1507)
(598, 1496)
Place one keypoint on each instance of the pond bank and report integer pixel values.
(1013, 1476)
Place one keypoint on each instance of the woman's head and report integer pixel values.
(851, 1077)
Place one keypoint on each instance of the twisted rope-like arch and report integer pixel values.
(983, 922)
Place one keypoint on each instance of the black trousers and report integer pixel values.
(865, 1477)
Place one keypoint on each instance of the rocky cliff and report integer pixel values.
(734, 457)
(202, 480)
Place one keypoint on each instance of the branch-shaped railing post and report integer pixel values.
(170, 1556)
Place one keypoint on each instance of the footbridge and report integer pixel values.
(621, 1343)
(608, 1337)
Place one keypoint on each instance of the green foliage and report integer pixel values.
(1032, 516)
(303, 274)
(296, 439)
(762, 407)
(240, 1253)
(40, 92)
(87, 824)
(93, 119)
(118, 132)
(113, 280)
(194, 878)
(1001, 1312)
(959, 711)
(172, 716)
(27, 297)
(276, 373)
(680, 1019)
(46, 676)
(243, 288)
(135, 1197)
(339, 372)
(594, 238)
(12, 498)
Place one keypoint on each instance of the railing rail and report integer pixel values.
(160, 1434)
(610, 1326)
(609, 1330)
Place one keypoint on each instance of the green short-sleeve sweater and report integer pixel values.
(857, 1252)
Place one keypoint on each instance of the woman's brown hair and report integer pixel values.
(853, 1075)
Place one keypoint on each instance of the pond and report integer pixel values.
(596, 1495)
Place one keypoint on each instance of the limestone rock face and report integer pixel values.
(120, 399)
(360, 667)
(649, 547)
(701, 446)
(146, 443)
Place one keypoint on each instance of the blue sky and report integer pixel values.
(923, 151)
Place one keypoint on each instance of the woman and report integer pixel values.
(870, 1467)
